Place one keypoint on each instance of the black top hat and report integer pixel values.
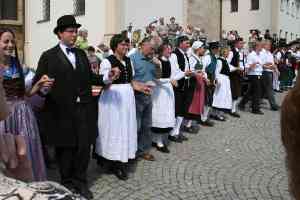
(65, 22)
(214, 45)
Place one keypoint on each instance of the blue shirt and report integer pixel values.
(144, 70)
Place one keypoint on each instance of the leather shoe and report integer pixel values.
(120, 174)
(175, 139)
(207, 123)
(190, 130)
(86, 193)
(275, 108)
(183, 138)
(257, 112)
(218, 118)
(163, 149)
(236, 115)
(241, 107)
(148, 157)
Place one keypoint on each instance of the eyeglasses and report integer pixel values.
(71, 30)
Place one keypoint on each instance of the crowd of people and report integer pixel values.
(126, 99)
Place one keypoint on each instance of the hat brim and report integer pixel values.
(56, 29)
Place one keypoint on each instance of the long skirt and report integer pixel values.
(163, 106)
(117, 124)
(20, 145)
(198, 101)
(222, 95)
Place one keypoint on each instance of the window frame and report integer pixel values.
(15, 11)
(19, 21)
(46, 11)
(79, 12)
(234, 4)
(252, 8)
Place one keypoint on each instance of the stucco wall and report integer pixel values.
(205, 14)
(40, 36)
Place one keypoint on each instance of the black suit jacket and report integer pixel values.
(61, 122)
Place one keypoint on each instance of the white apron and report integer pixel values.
(163, 105)
(117, 123)
(222, 94)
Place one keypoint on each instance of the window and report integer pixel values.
(79, 7)
(8, 10)
(293, 9)
(286, 35)
(282, 5)
(292, 36)
(298, 10)
(287, 6)
(254, 4)
(234, 5)
(45, 11)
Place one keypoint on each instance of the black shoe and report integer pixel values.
(183, 138)
(278, 91)
(121, 174)
(241, 107)
(191, 130)
(236, 115)
(257, 112)
(275, 108)
(218, 118)
(207, 123)
(86, 193)
(163, 149)
(71, 188)
(175, 139)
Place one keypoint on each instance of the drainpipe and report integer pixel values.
(23, 28)
(221, 18)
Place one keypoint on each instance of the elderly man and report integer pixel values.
(145, 67)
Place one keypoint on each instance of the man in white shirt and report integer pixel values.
(255, 68)
(267, 79)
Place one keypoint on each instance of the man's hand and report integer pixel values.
(142, 87)
(156, 61)
(188, 73)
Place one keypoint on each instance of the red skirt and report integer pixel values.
(198, 101)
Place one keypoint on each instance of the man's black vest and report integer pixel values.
(236, 58)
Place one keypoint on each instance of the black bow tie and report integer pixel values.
(72, 50)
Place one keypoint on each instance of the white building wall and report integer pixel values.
(246, 19)
(102, 18)
(269, 16)
(40, 37)
(142, 12)
(289, 20)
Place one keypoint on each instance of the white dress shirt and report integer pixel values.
(252, 58)
(70, 55)
(267, 58)
(176, 73)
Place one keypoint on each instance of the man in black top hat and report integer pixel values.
(67, 117)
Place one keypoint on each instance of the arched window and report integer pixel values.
(254, 4)
(234, 5)
(8, 10)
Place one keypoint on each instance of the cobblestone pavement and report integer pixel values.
(236, 160)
